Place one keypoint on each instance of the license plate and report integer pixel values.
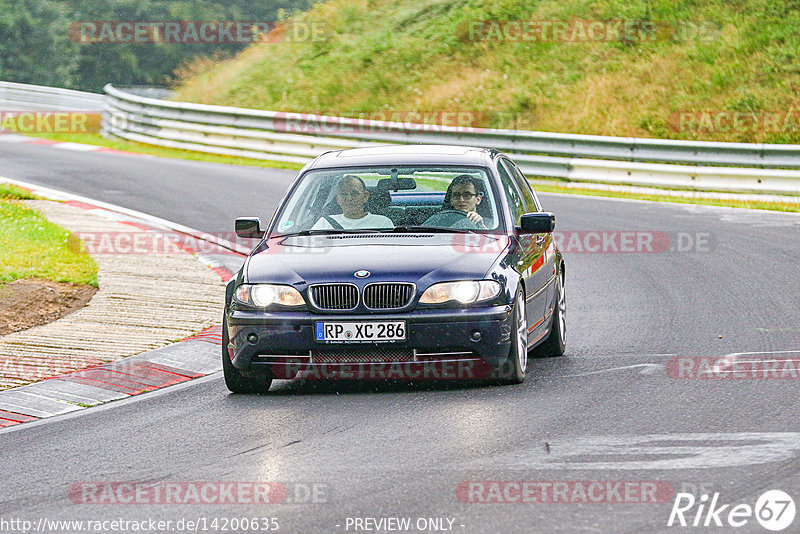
(379, 331)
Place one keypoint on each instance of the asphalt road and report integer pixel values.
(205, 196)
(607, 412)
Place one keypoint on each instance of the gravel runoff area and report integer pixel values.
(145, 301)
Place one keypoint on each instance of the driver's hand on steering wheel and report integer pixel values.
(475, 218)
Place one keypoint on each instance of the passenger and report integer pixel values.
(464, 194)
(352, 197)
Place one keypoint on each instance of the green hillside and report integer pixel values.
(710, 56)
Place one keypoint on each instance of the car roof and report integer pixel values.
(405, 155)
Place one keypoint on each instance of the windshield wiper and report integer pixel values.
(432, 229)
(325, 231)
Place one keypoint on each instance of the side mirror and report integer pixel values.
(537, 223)
(248, 227)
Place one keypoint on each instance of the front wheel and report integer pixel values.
(234, 380)
(513, 371)
(556, 342)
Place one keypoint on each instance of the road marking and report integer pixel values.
(734, 354)
(762, 219)
(728, 361)
(769, 360)
(14, 138)
(722, 363)
(76, 146)
(655, 451)
(648, 369)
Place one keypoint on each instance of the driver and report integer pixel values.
(464, 194)
(352, 197)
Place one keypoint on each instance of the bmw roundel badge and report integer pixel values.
(362, 274)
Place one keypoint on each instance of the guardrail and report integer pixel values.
(298, 138)
(25, 97)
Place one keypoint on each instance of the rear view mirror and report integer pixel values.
(249, 227)
(538, 223)
(396, 184)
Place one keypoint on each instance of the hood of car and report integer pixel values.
(416, 257)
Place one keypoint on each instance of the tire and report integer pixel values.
(513, 371)
(556, 343)
(234, 380)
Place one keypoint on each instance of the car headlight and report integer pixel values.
(264, 295)
(466, 292)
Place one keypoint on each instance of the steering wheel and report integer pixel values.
(451, 219)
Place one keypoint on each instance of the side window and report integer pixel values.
(531, 205)
(515, 202)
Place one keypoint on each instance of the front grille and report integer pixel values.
(362, 355)
(334, 296)
(386, 296)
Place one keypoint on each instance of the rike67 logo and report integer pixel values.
(774, 510)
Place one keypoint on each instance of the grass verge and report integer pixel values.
(9, 191)
(33, 247)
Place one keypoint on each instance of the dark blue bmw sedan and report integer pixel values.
(405, 262)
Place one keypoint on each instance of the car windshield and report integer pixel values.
(453, 199)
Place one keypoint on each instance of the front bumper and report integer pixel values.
(444, 343)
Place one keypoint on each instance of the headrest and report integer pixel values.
(378, 200)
